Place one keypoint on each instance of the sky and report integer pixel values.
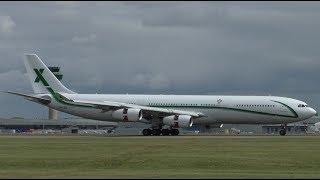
(231, 48)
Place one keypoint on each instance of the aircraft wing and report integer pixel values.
(109, 105)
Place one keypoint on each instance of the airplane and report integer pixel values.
(165, 113)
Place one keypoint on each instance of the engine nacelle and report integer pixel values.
(178, 121)
(125, 114)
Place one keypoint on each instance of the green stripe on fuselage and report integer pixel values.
(59, 99)
(294, 112)
(295, 115)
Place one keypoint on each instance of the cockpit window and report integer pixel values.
(302, 105)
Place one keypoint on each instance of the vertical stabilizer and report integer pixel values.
(41, 77)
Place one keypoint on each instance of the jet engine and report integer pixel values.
(126, 114)
(178, 121)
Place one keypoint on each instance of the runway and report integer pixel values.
(158, 137)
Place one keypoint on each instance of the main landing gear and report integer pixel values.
(283, 130)
(158, 132)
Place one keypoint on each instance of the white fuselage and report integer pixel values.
(217, 109)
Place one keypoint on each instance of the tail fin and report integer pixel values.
(41, 77)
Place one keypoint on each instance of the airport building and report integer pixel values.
(25, 125)
(130, 128)
(293, 128)
(297, 128)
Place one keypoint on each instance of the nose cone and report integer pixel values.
(312, 112)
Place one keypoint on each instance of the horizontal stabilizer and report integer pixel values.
(30, 97)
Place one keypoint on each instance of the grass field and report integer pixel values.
(159, 157)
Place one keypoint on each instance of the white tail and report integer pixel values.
(41, 77)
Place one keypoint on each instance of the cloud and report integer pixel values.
(14, 80)
(152, 81)
(84, 39)
(166, 47)
(69, 4)
(203, 15)
(6, 25)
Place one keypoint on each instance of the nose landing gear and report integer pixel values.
(283, 130)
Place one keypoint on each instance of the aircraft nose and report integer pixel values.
(312, 112)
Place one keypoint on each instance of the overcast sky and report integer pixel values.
(236, 48)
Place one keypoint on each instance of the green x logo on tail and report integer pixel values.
(40, 77)
(40, 71)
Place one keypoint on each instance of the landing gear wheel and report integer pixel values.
(165, 132)
(282, 132)
(156, 132)
(146, 132)
(174, 132)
